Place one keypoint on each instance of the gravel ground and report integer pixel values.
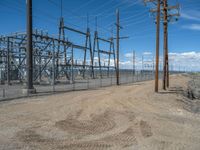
(128, 117)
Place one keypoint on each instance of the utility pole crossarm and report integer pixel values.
(174, 15)
(168, 8)
(120, 27)
(173, 7)
(123, 37)
(146, 1)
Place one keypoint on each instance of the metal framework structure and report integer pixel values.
(13, 56)
(86, 49)
(35, 57)
(104, 55)
(147, 62)
(54, 58)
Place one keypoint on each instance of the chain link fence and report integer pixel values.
(14, 90)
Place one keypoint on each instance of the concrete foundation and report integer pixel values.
(28, 91)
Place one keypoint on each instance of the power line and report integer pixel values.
(11, 6)
(84, 5)
(117, 5)
(108, 2)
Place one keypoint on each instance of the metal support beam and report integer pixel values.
(8, 61)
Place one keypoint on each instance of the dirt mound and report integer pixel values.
(194, 89)
(191, 105)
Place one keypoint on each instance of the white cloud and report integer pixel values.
(192, 27)
(188, 60)
(185, 55)
(129, 55)
(147, 53)
(191, 15)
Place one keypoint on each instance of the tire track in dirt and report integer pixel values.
(103, 123)
(123, 139)
(145, 129)
(98, 124)
(33, 140)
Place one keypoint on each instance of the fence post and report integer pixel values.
(4, 93)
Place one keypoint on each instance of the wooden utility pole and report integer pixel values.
(157, 2)
(157, 45)
(167, 62)
(29, 50)
(117, 43)
(166, 17)
(165, 52)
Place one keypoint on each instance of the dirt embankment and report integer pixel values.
(194, 87)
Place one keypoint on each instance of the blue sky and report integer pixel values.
(138, 24)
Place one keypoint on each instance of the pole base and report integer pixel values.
(8, 83)
(28, 91)
(71, 82)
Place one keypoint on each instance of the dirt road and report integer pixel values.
(130, 117)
